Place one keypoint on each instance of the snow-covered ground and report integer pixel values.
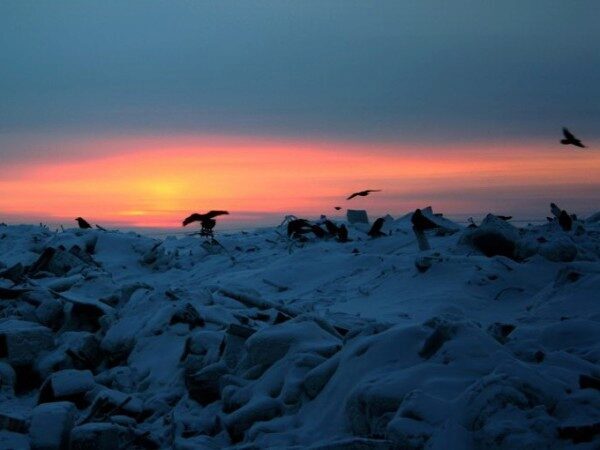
(117, 340)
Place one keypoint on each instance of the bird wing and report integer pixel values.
(578, 143)
(568, 134)
(352, 196)
(212, 213)
(373, 190)
(193, 218)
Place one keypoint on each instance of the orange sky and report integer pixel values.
(156, 182)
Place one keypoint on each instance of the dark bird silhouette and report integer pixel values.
(343, 233)
(318, 231)
(420, 222)
(505, 218)
(570, 139)
(332, 228)
(84, 224)
(363, 193)
(337, 208)
(565, 221)
(298, 227)
(375, 230)
(207, 221)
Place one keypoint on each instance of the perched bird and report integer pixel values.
(83, 223)
(343, 233)
(570, 139)
(363, 193)
(206, 221)
(420, 222)
(318, 231)
(337, 208)
(332, 228)
(565, 221)
(375, 230)
(298, 227)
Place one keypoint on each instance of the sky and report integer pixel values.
(137, 113)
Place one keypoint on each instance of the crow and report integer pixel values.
(84, 224)
(298, 227)
(420, 222)
(343, 233)
(207, 221)
(318, 231)
(565, 221)
(363, 193)
(332, 228)
(570, 139)
(375, 230)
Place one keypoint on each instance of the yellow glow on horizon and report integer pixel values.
(157, 184)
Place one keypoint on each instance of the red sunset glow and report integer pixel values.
(156, 182)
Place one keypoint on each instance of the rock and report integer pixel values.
(70, 384)
(95, 436)
(13, 441)
(50, 313)
(501, 331)
(111, 402)
(442, 333)
(589, 382)
(56, 261)
(51, 425)
(85, 314)
(76, 349)
(13, 421)
(22, 342)
(203, 385)
(356, 443)
(318, 377)
(187, 314)
(493, 237)
(558, 250)
(8, 377)
(260, 410)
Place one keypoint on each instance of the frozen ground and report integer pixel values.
(115, 340)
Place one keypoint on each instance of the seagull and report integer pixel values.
(83, 223)
(570, 139)
(363, 193)
(207, 221)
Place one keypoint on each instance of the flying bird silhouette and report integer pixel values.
(570, 139)
(84, 224)
(337, 208)
(363, 193)
(207, 221)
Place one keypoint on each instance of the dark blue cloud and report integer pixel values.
(410, 70)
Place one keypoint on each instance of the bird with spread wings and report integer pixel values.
(570, 139)
(207, 221)
(363, 193)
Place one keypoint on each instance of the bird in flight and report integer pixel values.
(363, 193)
(207, 221)
(337, 208)
(570, 139)
(83, 223)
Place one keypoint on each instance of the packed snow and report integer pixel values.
(485, 336)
